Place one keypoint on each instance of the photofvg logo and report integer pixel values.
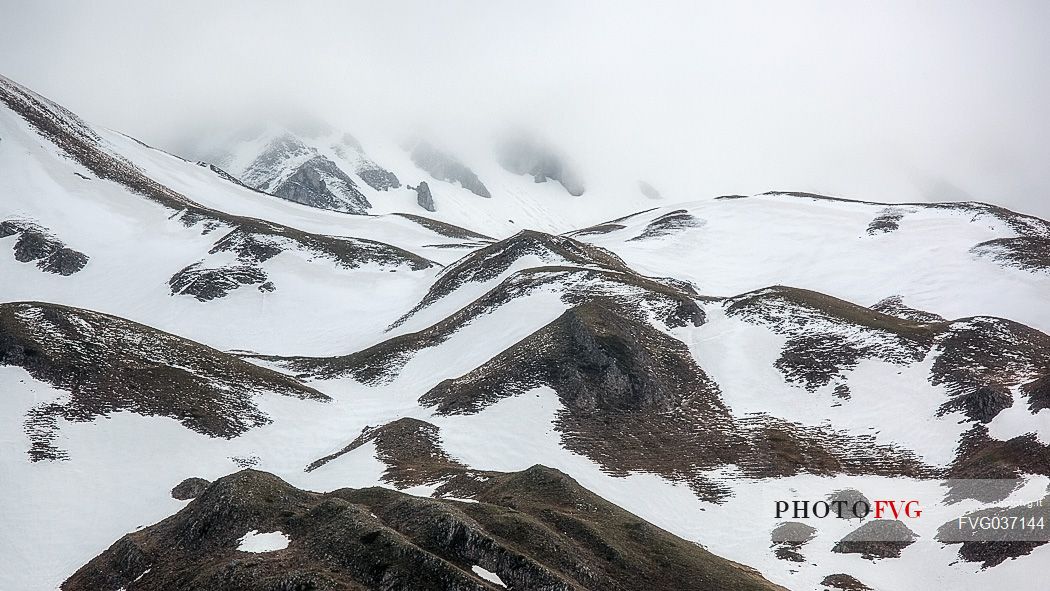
(848, 508)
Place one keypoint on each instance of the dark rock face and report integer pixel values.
(376, 176)
(191, 488)
(882, 538)
(975, 371)
(668, 224)
(991, 554)
(536, 529)
(525, 156)
(423, 196)
(320, 183)
(315, 181)
(894, 306)
(606, 227)
(1038, 392)
(597, 229)
(446, 168)
(1030, 253)
(372, 174)
(109, 364)
(981, 404)
(209, 284)
(256, 242)
(446, 229)
(887, 221)
(36, 243)
(410, 448)
(981, 457)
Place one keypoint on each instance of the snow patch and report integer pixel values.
(256, 542)
(487, 575)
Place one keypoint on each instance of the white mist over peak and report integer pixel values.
(879, 102)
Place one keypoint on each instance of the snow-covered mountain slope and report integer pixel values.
(945, 258)
(513, 186)
(693, 364)
(156, 242)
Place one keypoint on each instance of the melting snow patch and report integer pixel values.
(254, 541)
(488, 576)
(460, 499)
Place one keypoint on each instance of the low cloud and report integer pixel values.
(892, 101)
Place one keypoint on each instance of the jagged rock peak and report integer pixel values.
(445, 167)
(525, 155)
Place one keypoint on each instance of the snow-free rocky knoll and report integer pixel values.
(317, 361)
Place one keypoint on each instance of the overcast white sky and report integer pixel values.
(878, 100)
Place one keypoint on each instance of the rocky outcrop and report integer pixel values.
(108, 364)
(606, 227)
(423, 197)
(669, 224)
(895, 306)
(209, 284)
(523, 155)
(446, 229)
(318, 182)
(256, 242)
(535, 529)
(887, 221)
(1029, 253)
(191, 488)
(978, 376)
(843, 582)
(982, 457)
(36, 243)
(410, 448)
(445, 167)
(376, 176)
(1038, 392)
